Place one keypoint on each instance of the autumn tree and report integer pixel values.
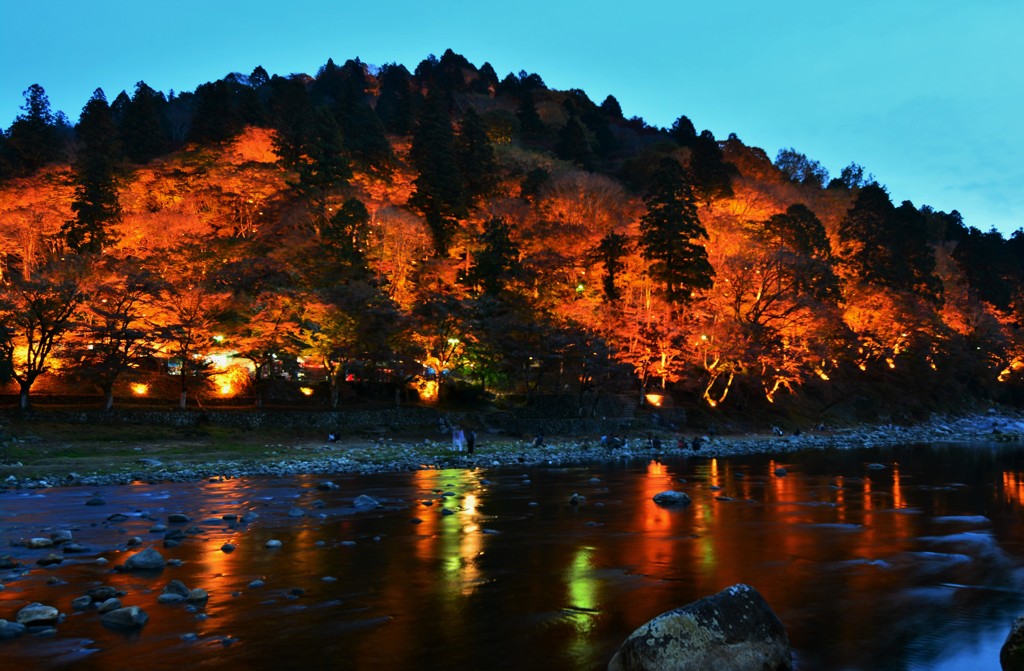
(117, 334)
(36, 313)
(348, 327)
(191, 311)
(670, 232)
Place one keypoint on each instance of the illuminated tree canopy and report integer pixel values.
(375, 233)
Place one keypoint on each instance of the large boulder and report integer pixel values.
(734, 630)
(1011, 656)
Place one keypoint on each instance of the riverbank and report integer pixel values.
(50, 456)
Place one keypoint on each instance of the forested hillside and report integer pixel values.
(446, 234)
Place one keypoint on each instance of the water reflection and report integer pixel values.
(907, 558)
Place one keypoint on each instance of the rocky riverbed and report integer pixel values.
(385, 454)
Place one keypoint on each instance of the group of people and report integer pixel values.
(463, 440)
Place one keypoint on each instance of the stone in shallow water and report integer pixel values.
(147, 560)
(131, 617)
(672, 498)
(1011, 656)
(734, 629)
(9, 630)
(36, 614)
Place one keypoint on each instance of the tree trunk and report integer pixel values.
(184, 398)
(23, 396)
(108, 396)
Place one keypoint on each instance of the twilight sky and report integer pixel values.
(927, 95)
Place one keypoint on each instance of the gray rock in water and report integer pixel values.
(176, 587)
(131, 617)
(672, 498)
(296, 512)
(273, 543)
(227, 548)
(170, 598)
(81, 602)
(364, 501)
(60, 536)
(178, 518)
(109, 605)
(147, 560)
(197, 595)
(733, 630)
(36, 614)
(37, 543)
(781, 472)
(1011, 656)
(9, 630)
(101, 593)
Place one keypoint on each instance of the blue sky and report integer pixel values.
(926, 95)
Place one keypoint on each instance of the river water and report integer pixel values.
(903, 558)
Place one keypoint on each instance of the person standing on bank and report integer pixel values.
(470, 441)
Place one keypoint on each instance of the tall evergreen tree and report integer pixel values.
(573, 144)
(529, 119)
(475, 156)
(439, 194)
(96, 204)
(669, 235)
(323, 167)
(497, 261)
(486, 81)
(34, 139)
(683, 132)
(609, 253)
(347, 235)
(142, 129)
(395, 100)
(712, 174)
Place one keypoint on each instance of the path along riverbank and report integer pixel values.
(394, 454)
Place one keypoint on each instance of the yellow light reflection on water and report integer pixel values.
(583, 591)
(456, 539)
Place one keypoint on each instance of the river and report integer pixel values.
(905, 558)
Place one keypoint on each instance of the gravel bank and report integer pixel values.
(388, 455)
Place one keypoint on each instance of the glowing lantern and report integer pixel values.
(306, 391)
(140, 388)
